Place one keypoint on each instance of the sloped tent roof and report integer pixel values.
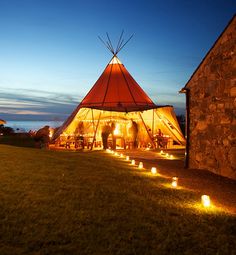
(116, 91)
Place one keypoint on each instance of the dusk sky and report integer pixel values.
(50, 54)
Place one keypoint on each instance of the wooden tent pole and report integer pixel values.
(152, 122)
(147, 130)
(94, 137)
(93, 121)
(169, 128)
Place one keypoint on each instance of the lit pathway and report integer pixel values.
(221, 190)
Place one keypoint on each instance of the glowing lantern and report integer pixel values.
(116, 154)
(121, 155)
(171, 156)
(161, 152)
(140, 166)
(167, 155)
(174, 182)
(206, 200)
(116, 131)
(153, 170)
(127, 158)
(133, 162)
(50, 133)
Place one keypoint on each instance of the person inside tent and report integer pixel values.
(106, 131)
(133, 131)
(161, 141)
(80, 135)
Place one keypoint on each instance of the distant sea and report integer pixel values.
(27, 125)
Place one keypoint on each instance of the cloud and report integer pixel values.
(28, 103)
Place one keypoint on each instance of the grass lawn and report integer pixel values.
(55, 202)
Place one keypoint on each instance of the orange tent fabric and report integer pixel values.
(116, 90)
(116, 95)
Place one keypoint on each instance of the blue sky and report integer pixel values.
(50, 55)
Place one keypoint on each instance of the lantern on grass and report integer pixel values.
(174, 182)
(161, 152)
(121, 155)
(171, 156)
(153, 170)
(132, 162)
(140, 166)
(167, 155)
(127, 158)
(116, 154)
(206, 202)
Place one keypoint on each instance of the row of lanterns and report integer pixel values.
(205, 200)
(167, 155)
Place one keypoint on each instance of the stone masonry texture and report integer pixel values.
(212, 108)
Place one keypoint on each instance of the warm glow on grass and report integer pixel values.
(127, 158)
(132, 162)
(121, 155)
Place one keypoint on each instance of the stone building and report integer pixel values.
(211, 108)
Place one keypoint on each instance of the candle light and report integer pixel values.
(205, 200)
(140, 166)
(174, 182)
(153, 170)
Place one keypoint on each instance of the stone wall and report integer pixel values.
(212, 97)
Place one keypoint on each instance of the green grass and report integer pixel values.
(17, 140)
(92, 203)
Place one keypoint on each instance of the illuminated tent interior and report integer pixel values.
(116, 104)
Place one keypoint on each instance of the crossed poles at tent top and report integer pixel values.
(120, 45)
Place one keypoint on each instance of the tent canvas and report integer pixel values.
(87, 120)
(117, 99)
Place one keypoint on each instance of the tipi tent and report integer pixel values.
(118, 104)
